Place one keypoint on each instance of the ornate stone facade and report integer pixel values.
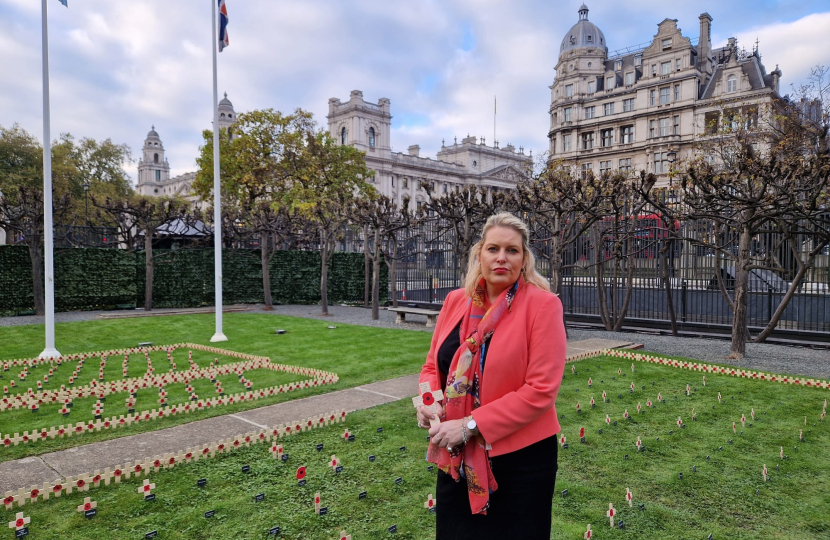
(628, 110)
(367, 127)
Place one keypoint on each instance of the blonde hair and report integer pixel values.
(529, 272)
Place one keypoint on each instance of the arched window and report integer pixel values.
(731, 84)
(371, 137)
(343, 136)
(155, 158)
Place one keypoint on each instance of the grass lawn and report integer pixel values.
(359, 355)
(724, 495)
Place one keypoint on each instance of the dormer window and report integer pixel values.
(617, 65)
(590, 39)
(638, 60)
(667, 44)
(731, 84)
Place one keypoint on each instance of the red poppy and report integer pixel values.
(117, 472)
(138, 468)
(57, 488)
(428, 399)
(300, 473)
(34, 493)
(19, 523)
(80, 483)
(8, 500)
(87, 506)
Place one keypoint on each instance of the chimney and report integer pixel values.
(415, 150)
(776, 76)
(704, 44)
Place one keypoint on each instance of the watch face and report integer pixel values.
(471, 424)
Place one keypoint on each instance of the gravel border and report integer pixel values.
(774, 358)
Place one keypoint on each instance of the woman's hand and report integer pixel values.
(447, 434)
(424, 415)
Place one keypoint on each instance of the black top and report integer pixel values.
(447, 350)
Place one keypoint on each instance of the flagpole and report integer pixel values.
(49, 294)
(217, 200)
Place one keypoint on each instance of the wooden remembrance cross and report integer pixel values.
(428, 399)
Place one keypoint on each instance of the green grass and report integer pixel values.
(720, 498)
(359, 355)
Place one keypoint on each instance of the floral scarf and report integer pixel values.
(472, 461)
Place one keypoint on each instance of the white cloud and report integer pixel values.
(118, 67)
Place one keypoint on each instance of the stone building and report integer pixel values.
(637, 108)
(367, 126)
(154, 170)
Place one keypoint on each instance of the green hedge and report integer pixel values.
(92, 278)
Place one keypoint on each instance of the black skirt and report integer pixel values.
(520, 507)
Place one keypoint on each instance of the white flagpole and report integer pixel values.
(49, 293)
(217, 200)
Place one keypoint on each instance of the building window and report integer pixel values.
(626, 134)
(651, 95)
(569, 90)
(608, 108)
(665, 95)
(731, 84)
(445, 187)
(652, 129)
(589, 112)
(158, 176)
(343, 136)
(587, 141)
(475, 164)
(393, 181)
(568, 112)
(419, 204)
(629, 78)
(625, 165)
(592, 85)
(617, 65)
(677, 92)
(664, 127)
(628, 105)
(155, 158)
(677, 64)
(566, 143)
(586, 170)
(371, 137)
(406, 183)
(661, 163)
(590, 39)
(604, 167)
(609, 83)
(653, 70)
(607, 137)
(638, 60)
(665, 68)
(667, 43)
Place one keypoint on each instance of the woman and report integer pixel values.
(498, 354)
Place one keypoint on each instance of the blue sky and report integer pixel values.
(119, 66)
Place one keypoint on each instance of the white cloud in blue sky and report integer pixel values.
(118, 66)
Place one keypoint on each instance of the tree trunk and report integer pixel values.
(36, 256)
(629, 287)
(148, 270)
(779, 311)
(324, 272)
(366, 259)
(556, 264)
(666, 277)
(376, 278)
(393, 272)
(599, 272)
(265, 250)
(740, 330)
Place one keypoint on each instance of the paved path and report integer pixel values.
(30, 471)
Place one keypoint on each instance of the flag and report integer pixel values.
(223, 25)
(63, 2)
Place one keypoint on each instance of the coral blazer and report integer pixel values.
(523, 372)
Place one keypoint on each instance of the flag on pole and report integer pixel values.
(63, 2)
(223, 25)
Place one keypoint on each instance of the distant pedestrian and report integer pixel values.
(498, 353)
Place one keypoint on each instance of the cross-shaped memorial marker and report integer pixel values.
(588, 534)
(20, 521)
(611, 513)
(628, 497)
(334, 462)
(430, 503)
(88, 505)
(764, 472)
(344, 536)
(146, 488)
(317, 503)
(428, 399)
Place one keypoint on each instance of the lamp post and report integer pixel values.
(86, 201)
(672, 157)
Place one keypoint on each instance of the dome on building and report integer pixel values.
(152, 134)
(225, 104)
(583, 34)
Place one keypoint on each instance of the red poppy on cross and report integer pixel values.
(87, 505)
(19, 522)
(430, 502)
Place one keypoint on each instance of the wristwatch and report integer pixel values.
(472, 426)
